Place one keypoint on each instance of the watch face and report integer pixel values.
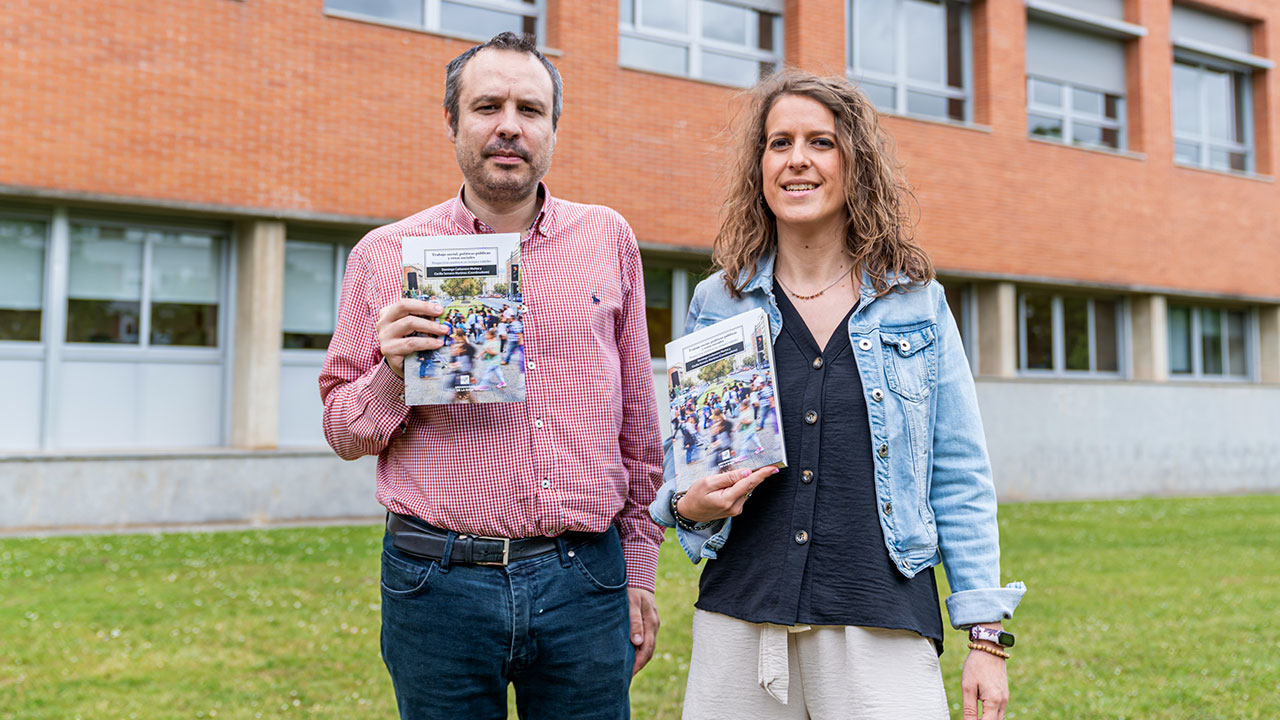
(1005, 639)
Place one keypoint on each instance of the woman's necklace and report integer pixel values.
(842, 276)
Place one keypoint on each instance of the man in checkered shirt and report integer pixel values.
(519, 547)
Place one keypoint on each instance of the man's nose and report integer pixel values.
(509, 123)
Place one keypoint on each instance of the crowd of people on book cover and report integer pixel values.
(476, 346)
(726, 423)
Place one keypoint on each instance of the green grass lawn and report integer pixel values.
(1137, 609)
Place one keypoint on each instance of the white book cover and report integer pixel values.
(723, 401)
(476, 278)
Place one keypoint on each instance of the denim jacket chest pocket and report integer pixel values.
(910, 360)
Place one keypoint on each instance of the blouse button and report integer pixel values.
(806, 476)
(883, 450)
(802, 537)
(817, 363)
(864, 344)
(811, 417)
(877, 395)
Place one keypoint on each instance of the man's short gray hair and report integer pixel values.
(501, 41)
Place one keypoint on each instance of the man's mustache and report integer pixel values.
(506, 148)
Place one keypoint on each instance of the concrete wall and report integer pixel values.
(1058, 439)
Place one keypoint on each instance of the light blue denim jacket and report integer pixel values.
(932, 474)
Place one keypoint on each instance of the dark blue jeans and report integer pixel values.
(556, 626)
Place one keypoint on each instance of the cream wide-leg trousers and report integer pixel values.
(758, 671)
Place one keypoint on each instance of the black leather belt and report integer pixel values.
(415, 537)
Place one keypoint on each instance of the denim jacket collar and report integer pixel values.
(761, 277)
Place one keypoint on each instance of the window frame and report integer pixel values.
(431, 17)
(1243, 80)
(1058, 342)
(1070, 116)
(901, 83)
(696, 43)
(1196, 338)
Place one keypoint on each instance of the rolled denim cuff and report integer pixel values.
(984, 605)
(697, 544)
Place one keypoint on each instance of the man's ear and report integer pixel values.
(448, 126)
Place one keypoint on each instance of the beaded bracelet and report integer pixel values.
(993, 651)
(684, 522)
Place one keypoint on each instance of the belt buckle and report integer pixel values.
(506, 551)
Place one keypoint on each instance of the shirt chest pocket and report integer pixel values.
(910, 360)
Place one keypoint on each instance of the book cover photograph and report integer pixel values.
(476, 278)
(724, 407)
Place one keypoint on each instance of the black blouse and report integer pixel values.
(808, 548)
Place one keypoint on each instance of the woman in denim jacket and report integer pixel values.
(823, 602)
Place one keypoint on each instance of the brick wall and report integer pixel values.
(271, 104)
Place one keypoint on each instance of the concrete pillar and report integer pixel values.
(1269, 332)
(997, 329)
(255, 389)
(1149, 320)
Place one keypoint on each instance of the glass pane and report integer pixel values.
(1240, 85)
(657, 291)
(480, 22)
(1114, 106)
(1219, 159)
(1237, 364)
(955, 43)
(627, 11)
(1044, 126)
(919, 103)
(1186, 152)
(769, 33)
(955, 109)
(1106, 336)
(1045, 93)
(725, 22)
(926, 25)
(875, 36)
(650, 55)
(1038, 330)
(1087, 102)
(1085, 134)
(955, 301)
(188, 324)
(103, 321)
(1219, 104)
(1211, 341)
(105, 263)
(730, 70)
(185, 268)
(1179, 340)
(310, 288)
(22, 249)
(884, 97)
(306, 341)
(1186, 99)
(405, 11)
(1075, 333)
(1238, 161)
(665, 14)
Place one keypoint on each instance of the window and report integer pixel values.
(1069, 334)
(1075, 86)
(1208, 342)
(668, 285)
(135, 286)
(730, 42)
(911, 56)
(22, 253)
(312, 283)
(960, 300)
(1212, 103)
(471, 18)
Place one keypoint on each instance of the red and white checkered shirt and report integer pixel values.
(582, 453)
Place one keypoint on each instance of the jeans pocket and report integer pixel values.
(601, 562)
(405, 579)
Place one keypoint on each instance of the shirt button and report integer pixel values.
(811, 417)
(817, 363)
(888, 507)
(883, 450)
(546, 483)
(802, 537)
(537, 423)
(864, 344)
(530, 365)
(806, 476)
(877, 395)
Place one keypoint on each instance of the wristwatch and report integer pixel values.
(999, 637)
(683, 521)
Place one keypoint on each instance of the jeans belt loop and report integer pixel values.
(563, 549)
(447, 556)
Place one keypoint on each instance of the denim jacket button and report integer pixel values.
(883, 450)
(864, 344)
(888, 508)
(802, 537)
(904, 346)
(877, 395)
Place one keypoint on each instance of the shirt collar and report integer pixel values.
(468, 223)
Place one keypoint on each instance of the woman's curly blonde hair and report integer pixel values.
(878, 232)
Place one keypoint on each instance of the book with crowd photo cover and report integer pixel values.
(476, 279)
(723, 408)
